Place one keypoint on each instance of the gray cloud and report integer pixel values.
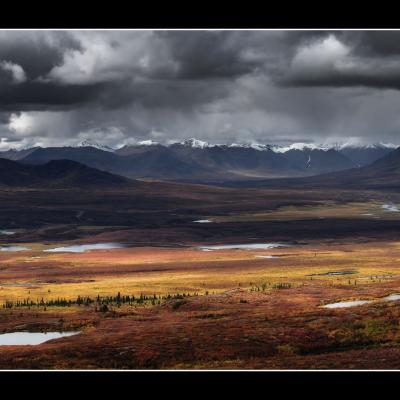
(57, 87)
(369, 59)
(36, 51)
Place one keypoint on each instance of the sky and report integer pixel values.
(121, 87)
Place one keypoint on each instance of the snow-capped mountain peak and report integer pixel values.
(195, 143)
(255, 146)
(300, 146)
(147, 143)
(379, 145)
(88, 143)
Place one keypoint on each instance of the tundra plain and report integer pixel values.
(162, 302)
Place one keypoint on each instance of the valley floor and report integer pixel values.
(240, 310)
(146, 288)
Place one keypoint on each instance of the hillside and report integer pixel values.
(383, 174)
(56, 174)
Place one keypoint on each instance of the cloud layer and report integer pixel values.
(59, 87)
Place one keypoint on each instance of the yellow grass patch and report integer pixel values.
(35, 274)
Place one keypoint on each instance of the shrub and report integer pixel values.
(178, 304)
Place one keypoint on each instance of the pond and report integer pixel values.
(390, 207)
(13, 248)
(31, 338)
(391, 297)
(81, 248)
(6, 232)
(344, 304)
(248, 246)
(334, 273)
(266, 256)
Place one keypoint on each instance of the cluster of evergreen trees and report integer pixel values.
(282, 286)
(261, 288)
(266, 285)
(100, 301)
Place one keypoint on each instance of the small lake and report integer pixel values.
(249, 246)
(81, 248)
(13, 248)
(391, 297)
(344, 304)
(31, 338)
(390, 207)
(334, 273)
(266, 256)
(6, 232)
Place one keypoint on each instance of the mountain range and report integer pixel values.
(64, 172)
(197, 161)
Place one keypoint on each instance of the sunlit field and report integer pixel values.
(161, 271)
(268, 312)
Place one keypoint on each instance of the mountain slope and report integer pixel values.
(383, 174)
(90, 156)
(365, 155)
(317, 161)
(258, 161)
(155, 162)
(16, 155)
(56, 174)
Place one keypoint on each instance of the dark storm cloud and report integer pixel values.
(375, 43)
(39, 96)
(346, 59)
(188, 56)
(36, 51)
(120, 86)
(209, 54)
(345, 80)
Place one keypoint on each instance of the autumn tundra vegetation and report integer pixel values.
(249, 289)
